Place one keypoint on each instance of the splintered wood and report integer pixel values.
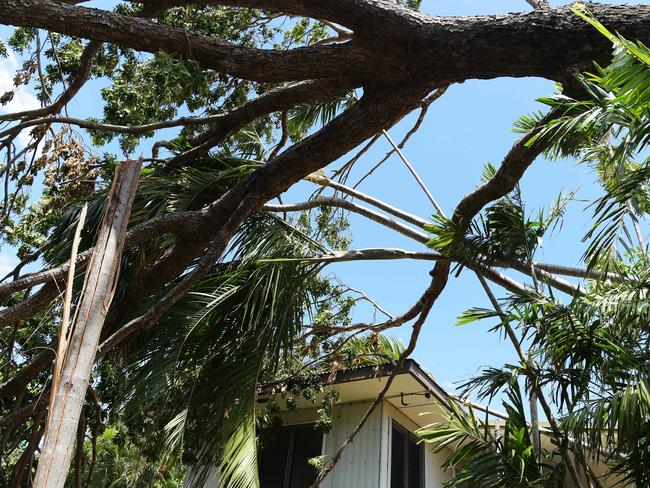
(78, 346)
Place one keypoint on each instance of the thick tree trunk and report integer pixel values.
(70, 390)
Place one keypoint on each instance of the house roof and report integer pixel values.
(414, 391)
(410, 367)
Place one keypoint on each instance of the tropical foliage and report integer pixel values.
(248, 321)
(492, 455)
(265, 321)
(589, 357)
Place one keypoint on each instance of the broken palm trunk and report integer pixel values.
(76, 360)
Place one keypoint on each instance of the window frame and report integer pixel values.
(409, 436)
(293, 428)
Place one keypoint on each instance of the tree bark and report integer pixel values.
(96, 297)
(390, 42)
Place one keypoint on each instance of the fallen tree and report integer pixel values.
(303, 99)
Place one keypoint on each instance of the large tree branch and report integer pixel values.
(389, 39)
(219, 55)
(356, 14)
(549, 43)
(272, 101)
(224, 216)
(167, 224)
(546, 42)
(31, 306)
(519, 158)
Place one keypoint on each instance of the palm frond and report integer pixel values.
(482, 456)
(210, 352)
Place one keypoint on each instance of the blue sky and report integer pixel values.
(468, 127)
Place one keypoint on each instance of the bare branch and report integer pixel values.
(438, 282)
(353, 207)
(414, 173)
(578, 272)
(222, 56)
(519, 158)
(370, 254)
(319, 178)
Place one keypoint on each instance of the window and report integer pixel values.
(284, 457)
(406, 459)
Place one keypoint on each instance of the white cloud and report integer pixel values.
(23, 98)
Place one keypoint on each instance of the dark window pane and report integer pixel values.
(415, 464)
(307, 444)
(273, 459)
(284, 456)
(406, 460)
(397, 458)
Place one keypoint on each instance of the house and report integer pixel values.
(383, 454)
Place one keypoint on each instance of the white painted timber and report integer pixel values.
(359, 465)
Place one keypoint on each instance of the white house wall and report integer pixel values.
(366, 461)
(359, 465)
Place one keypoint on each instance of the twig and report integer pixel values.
(426, 103)
(344, 170)
(438, 282)
(284, 137)
(414, 173)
